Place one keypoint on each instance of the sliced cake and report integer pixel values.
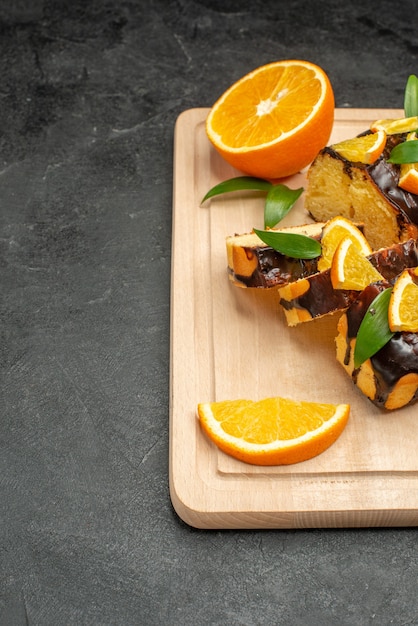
(252, 263)
(390, 377)
(367, 194)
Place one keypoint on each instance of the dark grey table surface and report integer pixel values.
(89, 95)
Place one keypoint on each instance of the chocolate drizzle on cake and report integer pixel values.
(398, 358)
(386, 177)
(273, 268)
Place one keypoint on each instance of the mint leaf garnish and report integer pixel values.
(411, 96)
(280, 199)
(291, 244)
(239, 183)
(405, 152)
(374, 331)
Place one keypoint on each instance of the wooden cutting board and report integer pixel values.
(228, 342)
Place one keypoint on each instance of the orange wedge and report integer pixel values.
(408, 179)
(334, 231)
(408, 175)
(403, 303)
(273, 122)
(394, 127)
(351, 269)
(365, 149)
(273, 431)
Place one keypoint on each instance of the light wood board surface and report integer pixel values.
(228, 342)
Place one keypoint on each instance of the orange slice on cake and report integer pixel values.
(408, 175)
(365, 149)
(333, 232)
(395, 126)
(403, 303)
(351, 269)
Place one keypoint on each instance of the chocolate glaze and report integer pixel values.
(358, 308)
(321, 298)
(391, 261)
(274, 268)
(396, 359)
(386, 177)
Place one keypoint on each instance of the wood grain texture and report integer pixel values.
(228, 342)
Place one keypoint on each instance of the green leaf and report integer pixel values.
(411, 96)
(374, 331)
(240, 183)
(280, 199)
(405, 152)
(291, 244)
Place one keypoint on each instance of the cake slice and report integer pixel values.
(314, 296)
(368, 194)
(252, 263)
(390, 377)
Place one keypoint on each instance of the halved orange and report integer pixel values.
(333, 232)
(273, 122)
(351, 269)
(365, 149)
(395, 126)
(403, 303)
(273, 431)
(408, 175)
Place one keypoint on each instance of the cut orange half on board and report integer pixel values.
(403, 303)
(365, 149)
(273, 122)
(351, 269)
(273, 431)
(333, 232)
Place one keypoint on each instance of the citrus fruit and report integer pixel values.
(334, 231)
(273, 431)
(394, 127)
(403, 303)
(351, 269)
(364, 149)
(408, 179)
(273, 122)
(408, 175)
